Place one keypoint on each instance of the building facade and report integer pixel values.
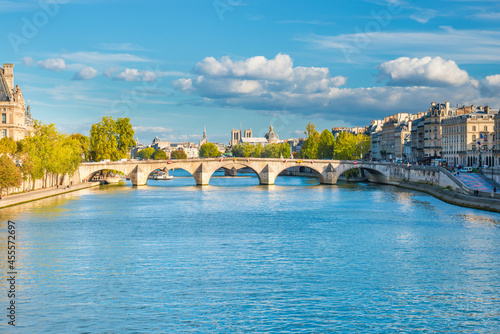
(469, 140)
(16, 119)
(236, 138)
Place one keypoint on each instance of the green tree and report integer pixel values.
(310, 147)
(8, 145)
(49, 154)
(179, 154)
(270, 151)
(276, 151)
(285, 150)
(40, 148)
(351, 147)
(159, 155)
(110, 139)
(209, 150)
(247, 150)
(125, 135)
(146, 153)
(10, 174)
(326, 145)
(84, 143)
(66, 156)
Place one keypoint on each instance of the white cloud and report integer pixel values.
(53, 64)
(490, 86)
(488, 15)
(257, 75)
(110, 72)
(413, 84)
(425, 71)
(132, 74)
(121, 47)
(100, 58)
(28, 61)
(183, 84)
(152, 129)
(423, 15)
(86, 73)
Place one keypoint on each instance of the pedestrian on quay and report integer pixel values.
(494, 189)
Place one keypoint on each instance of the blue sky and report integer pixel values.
(172, 66)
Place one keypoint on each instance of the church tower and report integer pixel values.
(204, 140)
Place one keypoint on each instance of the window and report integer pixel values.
(4, 133)
(3, 109)
(485, 137)
(473, 128)
(485, 128)
(4, 118)
(473, 137)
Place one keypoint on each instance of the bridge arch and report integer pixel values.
(318, 170)
(237, 165)
(89, 173)
(378, 171)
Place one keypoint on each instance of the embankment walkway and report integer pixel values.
(42, 193)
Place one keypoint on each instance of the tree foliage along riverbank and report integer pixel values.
(347, 146)
(10, 174)
(259, 151)
(209, 150)
(179, 154)
(49, 153)
(110, 139)
(45, 154)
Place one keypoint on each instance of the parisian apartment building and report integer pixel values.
(466, 135)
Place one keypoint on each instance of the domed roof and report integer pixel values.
(271, 135)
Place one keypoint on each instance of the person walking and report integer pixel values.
(494, 189)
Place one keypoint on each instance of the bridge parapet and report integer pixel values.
(267, 170)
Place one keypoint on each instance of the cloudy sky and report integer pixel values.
(173, 66)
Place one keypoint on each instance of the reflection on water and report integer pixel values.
(236, 256)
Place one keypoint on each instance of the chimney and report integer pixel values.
(433, 104)
(447, 106)
(8, 73)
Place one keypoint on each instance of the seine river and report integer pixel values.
(239, 257)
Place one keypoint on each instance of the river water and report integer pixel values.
(239, 257)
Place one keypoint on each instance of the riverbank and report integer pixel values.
(452, 197)
(11, 200)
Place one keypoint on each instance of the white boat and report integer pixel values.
(161, 176)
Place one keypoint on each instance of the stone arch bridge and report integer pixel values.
(267, 170)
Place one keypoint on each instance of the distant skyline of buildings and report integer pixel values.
(467, 135)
